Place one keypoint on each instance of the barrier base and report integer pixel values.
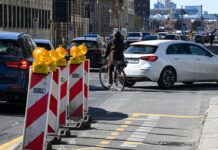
(79, 124)
(64, 132)
(52, 139)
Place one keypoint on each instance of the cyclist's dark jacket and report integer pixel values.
(117, 45)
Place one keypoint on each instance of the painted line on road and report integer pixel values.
(114, 134)
(141, 132)
(11, 143)
(165, 115)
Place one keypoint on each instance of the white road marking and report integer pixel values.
(141, 133)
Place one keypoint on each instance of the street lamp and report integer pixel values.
(110, 12)
(119, 12)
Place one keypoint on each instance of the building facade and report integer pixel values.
(30, 16)
(142, 9)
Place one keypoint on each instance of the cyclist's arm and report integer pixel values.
(108, 50)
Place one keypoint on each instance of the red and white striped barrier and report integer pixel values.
(63, 96)
(76, 92)
(86, 85)
(53, 115)
(35, 126)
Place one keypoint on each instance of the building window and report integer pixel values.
(18, 16)
(26, 18)
(43, 18)
(9, 16)
(5, 16)
(49, 13)
(40, 18)
(1, 16)
(46, 19)
(22, 17)
(14, 16)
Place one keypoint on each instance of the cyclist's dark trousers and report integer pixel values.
(111, 69)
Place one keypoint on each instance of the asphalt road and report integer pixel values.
(142, 117)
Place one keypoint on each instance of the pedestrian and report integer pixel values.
(211, 37)
(114, 53)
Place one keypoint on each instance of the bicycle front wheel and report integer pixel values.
(120, 78)
(104, 77)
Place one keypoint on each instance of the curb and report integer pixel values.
(209, 137)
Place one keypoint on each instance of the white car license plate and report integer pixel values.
(133, 60)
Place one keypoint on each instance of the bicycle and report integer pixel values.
(118, 76)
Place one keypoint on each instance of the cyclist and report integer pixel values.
(114, 53)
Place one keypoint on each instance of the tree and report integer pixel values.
(196, 24)
(178, 25)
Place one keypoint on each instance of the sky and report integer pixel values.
(208, 5)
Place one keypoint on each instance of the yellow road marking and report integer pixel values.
(133, 143)
(110, 137)
(10, 143)
(119, 129)
(127, 122)
(115, 133)
(124, 126)
(105, 142)
(165, 115)
(101, 146)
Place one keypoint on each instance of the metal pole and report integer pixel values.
(74, 21)
(67, 39)
(201, 16)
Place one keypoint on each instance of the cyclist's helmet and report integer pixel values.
(117, 34)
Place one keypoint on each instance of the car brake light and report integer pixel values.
(149, 58)
(12, 64)
(23, 64)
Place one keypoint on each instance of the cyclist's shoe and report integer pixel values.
(108, 85)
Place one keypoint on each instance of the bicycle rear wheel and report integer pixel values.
(120, 78)
(104, 77)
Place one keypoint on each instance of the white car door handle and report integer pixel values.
(176, 58)
(198, 59)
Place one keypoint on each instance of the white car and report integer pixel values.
(134, 36)
(169, 61)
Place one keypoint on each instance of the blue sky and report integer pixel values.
(208, 5)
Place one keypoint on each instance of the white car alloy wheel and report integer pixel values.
(167, 78)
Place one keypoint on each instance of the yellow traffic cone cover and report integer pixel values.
(83, 49)
(75, 52)
(61, 51)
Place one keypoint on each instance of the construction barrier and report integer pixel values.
(35, 126)
(86, 86)
(56, 100)
(76, 92)
(63, 96)
(53, 115)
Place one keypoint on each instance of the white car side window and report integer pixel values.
(195, 50)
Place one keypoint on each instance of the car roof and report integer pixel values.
(85, 39)
(134, 32)
(91, 35)
(10, 35)
(45, 41)
(159, 42)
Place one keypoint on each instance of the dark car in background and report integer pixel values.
(15, 59)
(199, 38)
(171, 37)
(145, 34)
(96, 50)
(184, 38)
(44, 43)
(150, 37)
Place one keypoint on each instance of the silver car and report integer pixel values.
(170, 61)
